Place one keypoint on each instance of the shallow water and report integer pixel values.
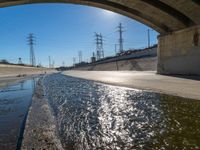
(14, 103)
(91, 115)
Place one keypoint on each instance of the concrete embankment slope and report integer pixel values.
(13, 73)
(14, 70)
(140, 64)
(146, 80)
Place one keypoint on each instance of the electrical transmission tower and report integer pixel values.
(80, 56)
(20, 61)
(49, 62)
(31, 43)
(121, 40)
(99, 46)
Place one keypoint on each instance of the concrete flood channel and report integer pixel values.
(91, 115)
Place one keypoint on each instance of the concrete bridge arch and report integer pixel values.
(177, 21)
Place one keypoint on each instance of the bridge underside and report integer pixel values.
(176, 20)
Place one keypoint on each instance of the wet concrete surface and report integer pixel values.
(15, 100)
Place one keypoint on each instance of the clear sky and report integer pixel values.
(61, 30)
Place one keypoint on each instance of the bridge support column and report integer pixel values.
(179, 52)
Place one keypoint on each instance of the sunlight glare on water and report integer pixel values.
(91, 115)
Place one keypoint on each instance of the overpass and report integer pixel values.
(177, 21)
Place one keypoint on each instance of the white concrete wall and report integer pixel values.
(179, 52)
(142, 64)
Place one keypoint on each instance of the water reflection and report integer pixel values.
(22, 85)
(182, 124)
(98, 116)
(14, 104)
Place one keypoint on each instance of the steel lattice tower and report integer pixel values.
(121, 40)
(99, 46)
(32, 54)
(80, 56)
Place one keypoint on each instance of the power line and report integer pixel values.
(31, 43)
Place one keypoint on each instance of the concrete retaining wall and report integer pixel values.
(142, 64)
(12, 70)
(179, 52)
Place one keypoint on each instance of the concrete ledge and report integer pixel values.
(40, 130)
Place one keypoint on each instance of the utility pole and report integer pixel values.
(99, 46)
(116, 49)
(49, 62)
(80, 56)
(63, 64)
(74, 61)
(117, 66)
(149, 43)
(121, 40)
(31, 43)
(53, 64)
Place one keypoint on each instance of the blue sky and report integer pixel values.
(61, 30)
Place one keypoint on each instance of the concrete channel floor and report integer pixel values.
(144, 80)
